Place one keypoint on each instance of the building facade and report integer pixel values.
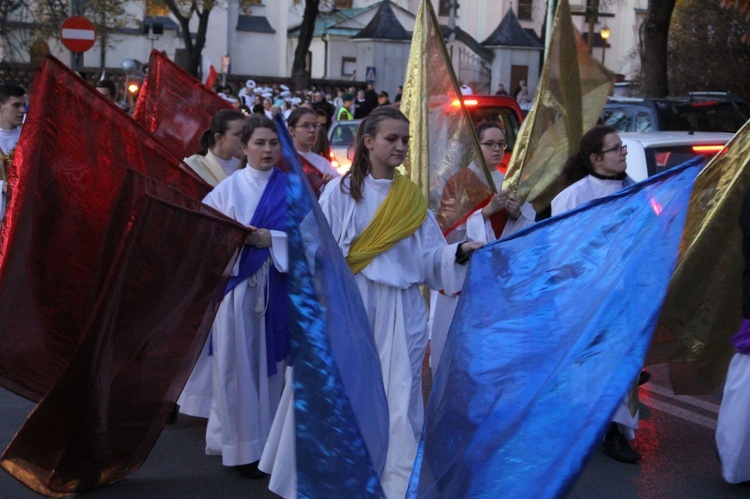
(262, 42)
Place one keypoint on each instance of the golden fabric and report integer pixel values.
(443, 141)
(397, 217)
(571, 95)
(703, 306)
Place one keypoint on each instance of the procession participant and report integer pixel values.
(12, 109)
(304, 129)
(503, 215)
(250, 334)
(220, 147)
(732, 428)
(392, 244)
(598, 170)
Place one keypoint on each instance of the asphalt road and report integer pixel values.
(676, 440)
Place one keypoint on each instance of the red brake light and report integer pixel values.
(711, 149)
(704, 104)
(467, 102)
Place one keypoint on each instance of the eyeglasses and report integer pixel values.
(308, 126)
(492, 145)
(619, 149)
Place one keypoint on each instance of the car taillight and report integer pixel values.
(467, 102)
(710, 149)
(704, 104)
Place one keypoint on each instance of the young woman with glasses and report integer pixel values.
(304, 128)
(598, 170)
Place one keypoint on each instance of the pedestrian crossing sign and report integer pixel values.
(370, 74)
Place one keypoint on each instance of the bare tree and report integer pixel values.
(300, 73)
(654, 37)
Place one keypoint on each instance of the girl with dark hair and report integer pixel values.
(250, 337)
(598, 170)
(305, 131)
(220, 149)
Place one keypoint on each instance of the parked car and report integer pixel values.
(341, 136)
(653, 152)
(674, 114)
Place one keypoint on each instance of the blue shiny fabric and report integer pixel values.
(551, 331)
(341, 412)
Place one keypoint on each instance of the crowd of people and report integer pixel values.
(392, 244)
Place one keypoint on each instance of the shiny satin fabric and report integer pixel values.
(571, 95)
(174, 106)
(443, 141)
(162, 275)
(703, 306)
(340, 408)
(552, 327)
(69, 165)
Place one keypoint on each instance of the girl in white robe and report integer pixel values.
(245, 390)
(304, 129)
(217, 158)
(389, 286)
(478, 227)
(601, 162)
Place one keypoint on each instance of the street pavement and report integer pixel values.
(676, 440)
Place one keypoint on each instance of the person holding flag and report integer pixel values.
(598, 170)
(220, 147)
(393, 244)
(304, 129)
(250, 335)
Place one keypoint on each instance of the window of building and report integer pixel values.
(156, 8)
(444, 7)
(343, 4)
(525, 9)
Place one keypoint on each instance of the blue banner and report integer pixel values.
(551, 331)
(341, 412)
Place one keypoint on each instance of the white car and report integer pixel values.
(341, 136)
(650, 153)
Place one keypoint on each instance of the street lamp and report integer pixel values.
(605, 36)
(325, 39)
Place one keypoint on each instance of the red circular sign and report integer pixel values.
(77, 34)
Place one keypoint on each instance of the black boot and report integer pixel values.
(617, 447)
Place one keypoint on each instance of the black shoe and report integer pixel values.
(250, 470)
(619, 449)
(644, 377)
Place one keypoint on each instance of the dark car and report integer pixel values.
(687, 114)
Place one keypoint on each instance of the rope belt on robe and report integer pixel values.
(397, 217)
(270, 214)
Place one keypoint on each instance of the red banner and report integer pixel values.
(175, 106)
(68, 168)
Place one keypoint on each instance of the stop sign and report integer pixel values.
(77, 34)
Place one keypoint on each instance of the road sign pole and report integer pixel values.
(76, 8)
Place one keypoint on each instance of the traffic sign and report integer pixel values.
(370, 74)
(77, 34)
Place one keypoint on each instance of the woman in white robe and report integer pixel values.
(218, 157)
(389, 285)
(245, 392)
(478, 227)
(304, 129)
(601, 162)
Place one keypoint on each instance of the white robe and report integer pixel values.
(583, 191)
(244, 396)
(733, 427)
(476, 228)
(389, 286)
(196, 397)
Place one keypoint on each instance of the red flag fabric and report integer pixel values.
(162, 272)
(68, 167)
(209, 73)
(174, 106)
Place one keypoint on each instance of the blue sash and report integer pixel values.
(270, 214)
